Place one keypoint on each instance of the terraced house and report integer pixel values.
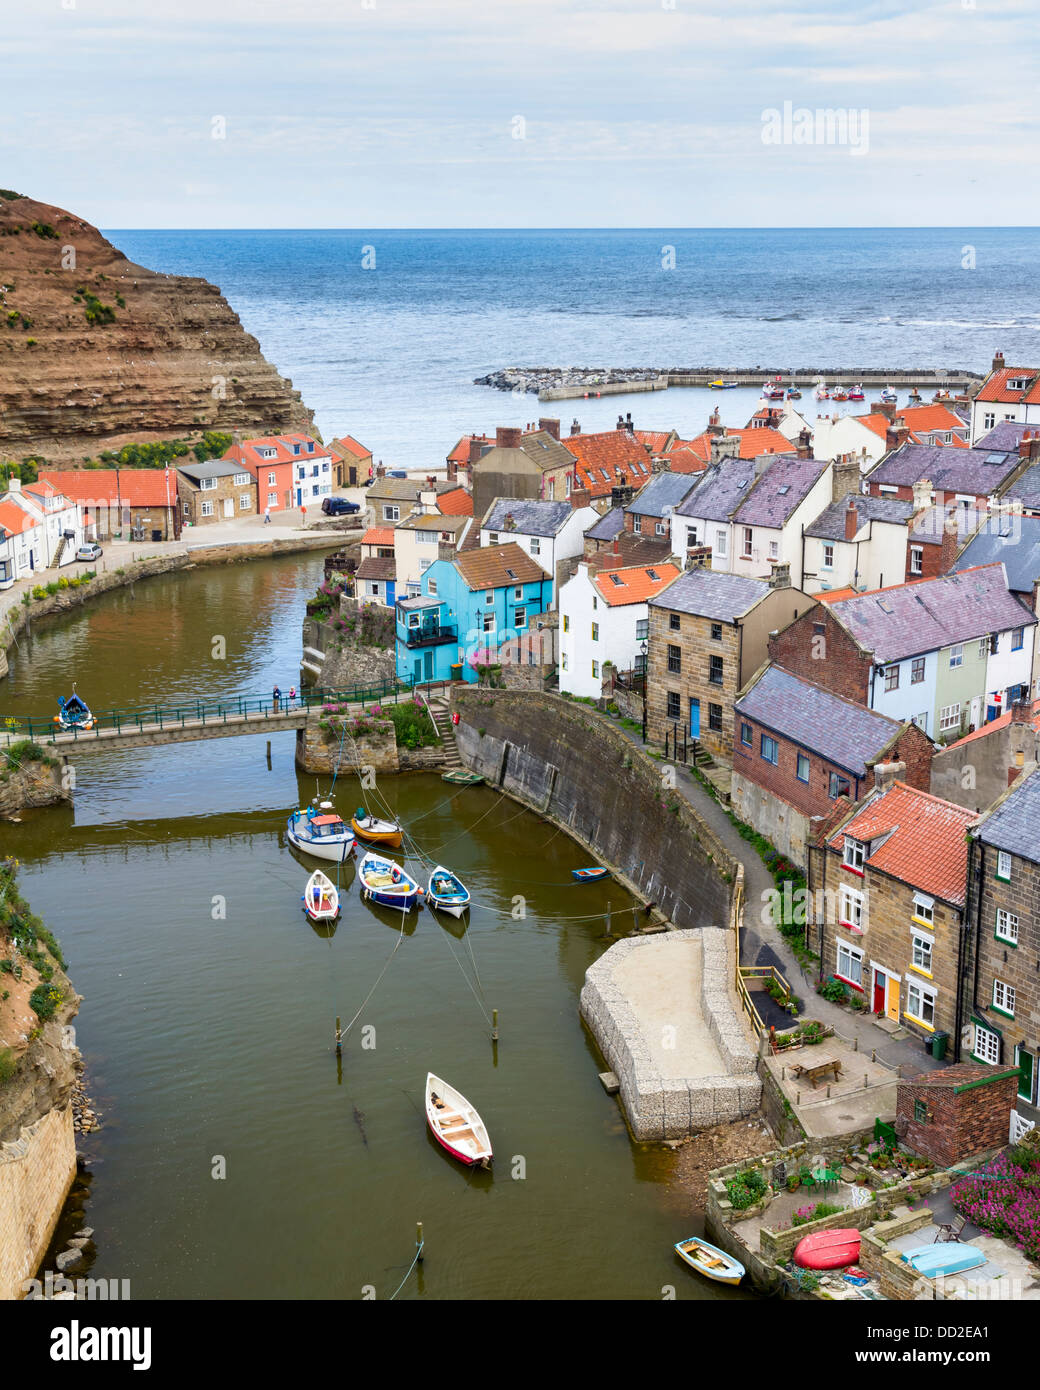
(1001, 978)
(1008, 393)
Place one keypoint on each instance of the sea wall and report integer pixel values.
(577, 769)
(36, 1172)
(31, 784)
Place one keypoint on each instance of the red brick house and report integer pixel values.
(957, 1112)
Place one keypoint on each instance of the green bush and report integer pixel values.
(413, 725)
(832, 990)
(8, 1064)
(744, 1189)
(24, 750)
(44, 1001)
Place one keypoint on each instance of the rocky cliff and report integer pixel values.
(96, 352)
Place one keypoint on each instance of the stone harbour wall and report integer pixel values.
(36, 1172)
(324, 751)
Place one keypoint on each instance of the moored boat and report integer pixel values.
(822, 394)
(828, 1249)
(383, 881)
(318, 831)
(321, 898)
(839, 394)
(590, 874)
(73, 713)
(793, 393)
(709, 1260)
(461, 778)
(455, 1124)
(772, 392)
(889, 397)
(446, 892)
(375, 831)
(856, 394)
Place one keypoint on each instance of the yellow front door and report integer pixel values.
(892, 1002)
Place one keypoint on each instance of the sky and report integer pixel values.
(523, 113)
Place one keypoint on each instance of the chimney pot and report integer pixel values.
(508, 437)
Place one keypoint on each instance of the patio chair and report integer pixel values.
(950, 1230)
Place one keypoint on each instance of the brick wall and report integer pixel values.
(817, 648)
(696, 647)
(916, 750)
(960, 1124)
(36, 1171)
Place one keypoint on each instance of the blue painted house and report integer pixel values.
(468, 608)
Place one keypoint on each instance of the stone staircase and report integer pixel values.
(446, 730)
(62, 547)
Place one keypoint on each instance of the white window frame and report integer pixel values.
(956, 655)
(924, 908)
(985, 1045)
(244, 501)
(917, 559)
(207, 509)
(272, 480)
(207, 484)
(1003, 869)
(828, 556)
(921, 943)
(1010, 924)
(852, 954)
(721, 544)
(391, 513)
(926, 996)
(854, 852)
(851, 904)
(241, 480)
(1004, 997)
(949, 718)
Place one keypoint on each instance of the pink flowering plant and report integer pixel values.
(1003, 1198)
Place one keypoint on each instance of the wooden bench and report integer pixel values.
(819, 1070)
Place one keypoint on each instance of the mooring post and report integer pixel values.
(339, 1038)
(494, 1025)
(418, 1241)
(608, 916)
(268, 752)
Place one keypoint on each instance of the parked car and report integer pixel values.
(339, 506)
(368, 482)
(90, 551)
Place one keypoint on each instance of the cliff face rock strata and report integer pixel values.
(96, 351)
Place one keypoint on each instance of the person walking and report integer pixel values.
(267, 516)
(275, 697)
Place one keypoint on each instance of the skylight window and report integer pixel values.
(511, 573)
(652, 574)
(994, 458)
(783, 491)
(884, 605)
(616, 579)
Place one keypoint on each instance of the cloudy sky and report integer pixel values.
(523, 113)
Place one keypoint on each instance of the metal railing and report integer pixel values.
(758, 974)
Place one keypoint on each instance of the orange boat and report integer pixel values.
(375, 831)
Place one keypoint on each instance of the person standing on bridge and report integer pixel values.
(276, 695)
(292, 695)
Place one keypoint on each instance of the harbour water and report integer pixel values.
(236, 1157)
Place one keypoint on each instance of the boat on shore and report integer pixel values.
(73, 713)
(318, 831)
(383, 881)
(455, 1124)
(828, 1249)
(709, 1260)
(446, 892)
(375, 831)
(321, 898)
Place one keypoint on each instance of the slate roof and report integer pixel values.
(214, 468)
(948, 470)
(712, 594)
(496, 566)
(1005, 434)
(929, 614)
(530, 518)
(933, 523)
(720, 488)
(782, 487)
(846, 734)
(830, 524)
(1013, 539)
(922, 840)
(545, 450)
(431, 521)
(378, 567)
(662, 491)
(395, 490)
(608, 526)
(1027, 489)
(1013, 824)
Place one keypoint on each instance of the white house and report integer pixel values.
(857, 543)
(417, 542)
(21, 542)
(867, 436)
(62, 526)
(604, 618)
(547, 531)
(1008, 393)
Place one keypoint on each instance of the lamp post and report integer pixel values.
(642, 652)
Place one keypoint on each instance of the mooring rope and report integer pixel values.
(404, 1281)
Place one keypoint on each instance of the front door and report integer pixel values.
(893, 998)
(417, 670)
(428, 666)
(880, 979)
(229, 508)
(1025, 1073)
(695, 718)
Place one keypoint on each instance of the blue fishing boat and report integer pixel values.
(446, 892)
(709, 1260)
(589, 875)
(383, 881)
(73, 713)
(316, 830)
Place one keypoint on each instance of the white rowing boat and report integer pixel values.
(321, 898)
(455, 1123)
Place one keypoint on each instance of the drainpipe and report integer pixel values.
(978, 926)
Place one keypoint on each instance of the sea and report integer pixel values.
(384, 331)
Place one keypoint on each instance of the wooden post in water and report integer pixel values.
(494, 1025)
(418, 1241)
(269, 764)
(608, 916)
(339, 1038)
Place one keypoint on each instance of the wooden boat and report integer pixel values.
(318, 831)
(446, 892)
(948, 1257)
(856, 394)
(461, 778)
(793, 393)
(722, 385)
(455, 1124)
(709, 1260)
(321, 898)
(375, 831)
(838, 394)
(828, 1249)
(888, 396)
(589, 875)
(73, 713)
(383, 881)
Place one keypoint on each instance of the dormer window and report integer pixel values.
(1017, 383)
(854, 854)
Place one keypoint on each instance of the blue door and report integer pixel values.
(428, 666)
(695, 718)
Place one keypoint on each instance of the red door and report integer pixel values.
(879, 992)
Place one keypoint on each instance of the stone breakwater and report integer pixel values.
(681, 1056)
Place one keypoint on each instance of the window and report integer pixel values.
(828, 557)
(770, 749)
(989, 420)
(949, 718)
(1004, 998)
(715, 718)
(518, 592)
(424, 565)
(207, 509)
(1007, 926)
(802, 770)
(921, 953)
(565, 661)
(850, 907)
(986, 1047)
(920, 1112)
(595, 668)
(920, 1003)
(721, 543)
(566, 622)
(774, 550)
(983, 648)
(660, 528)
(272, 499)
(427, 538)
(715, 670)
(244, 502)
(749, 537)
(520, 619)
(207, 484)
(917, 559)
(391, 513)
(891, 678)
(413, 619)
(850, 964)
(673, 622)
(672, 704)
(957, 655)
(642, 629)
(855, 853)
(272, 480)
(917, 670)
(241, 480)
(1017, 639)
(374, 590)
(839, 786)
(489, 596)
(431, 587)
(637, 525)
(924, 908)
(536, 546)
(747, 735)
(595, 636)
(187, 512)
(716, 632)
(675, 659)
(492, 538)
(1004, 865)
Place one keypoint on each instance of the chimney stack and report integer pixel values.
(550, 426)
(507, 437)
(1021, 712)
(922, 495)
(846, 477)
(805, 444)
(476, 448)
(1029, 445)
(628, 423)
(724, 446)
(622, 495)
(998, 361)
(620, 422)
(851, 520)
(886, 774)
(575, 427)
(886, 408)
(715, 425)
(781, 576)
(896, 437)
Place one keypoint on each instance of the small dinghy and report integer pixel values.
(856, 394)
(793, 393)
(948, 1257)
(588, 875)
(709, 1260)
(375, 831)
(889, 397)
(446, 892)
(455, 1124)
(828, 1249)
(318, 831)
(73, 713)
(462, 779)
(321, 898)
(383, 881)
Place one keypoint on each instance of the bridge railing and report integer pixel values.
(181, 713)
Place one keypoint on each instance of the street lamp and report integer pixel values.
(642, 652)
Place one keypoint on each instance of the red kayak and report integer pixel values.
(828, 1250)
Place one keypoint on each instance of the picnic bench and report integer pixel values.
(818, 1070)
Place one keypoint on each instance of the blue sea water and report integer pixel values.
(388, 352)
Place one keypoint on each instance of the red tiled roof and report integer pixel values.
(43, 489)
(655, 440)
(378, 535)
(995, 387)
(615, 453)
(353, 447)
(924, 841)
(460, 453)
(458, 502)
(109, 487)
(754, 441)
(14, 520)
(994, 724)
(684, 459)
(246, 452)
(633, 585)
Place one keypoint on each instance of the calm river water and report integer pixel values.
(209, 1035)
